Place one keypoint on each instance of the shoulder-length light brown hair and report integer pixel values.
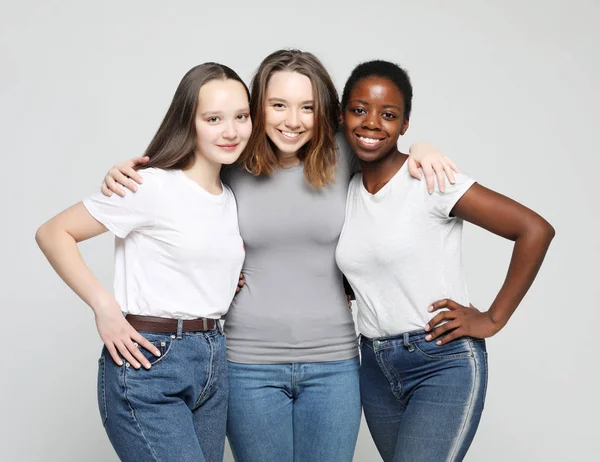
(319, 153)
(174, 143)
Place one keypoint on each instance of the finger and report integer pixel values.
(113, 186)
(413, 169)
(113, 354)
(456, 333)
(134, 161)
(122, 179)
(452, 164)
(443, 303)
(429, 177)
(441, 176)
(451, 325)
(127, 355)
(133, 174)
(450, 174)
(137, 354)
(437, 319)
(107, 192)
(144, 343)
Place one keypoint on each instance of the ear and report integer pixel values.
(404, 127)
(341, 118)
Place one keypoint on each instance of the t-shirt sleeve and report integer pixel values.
(442, 203)
(345, 154)
(121, 215)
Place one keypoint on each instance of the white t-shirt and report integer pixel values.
(400, 251)
(178, 250)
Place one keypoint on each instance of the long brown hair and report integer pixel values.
(319, 153)
(175, 140)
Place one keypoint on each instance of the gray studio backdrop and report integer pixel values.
(508, 89)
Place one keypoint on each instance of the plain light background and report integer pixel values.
(508, 89)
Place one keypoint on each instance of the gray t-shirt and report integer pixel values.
(293, 307)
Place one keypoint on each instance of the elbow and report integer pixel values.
(43, 236)
(40, 235)
(542, 231)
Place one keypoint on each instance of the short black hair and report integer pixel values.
(385, 70)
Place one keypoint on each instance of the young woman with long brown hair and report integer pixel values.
(291, 343)
(162, 379)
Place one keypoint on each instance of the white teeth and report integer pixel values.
(369, 140)
(290, 134)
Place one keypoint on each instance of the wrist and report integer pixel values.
(496, 320)
(103, 304)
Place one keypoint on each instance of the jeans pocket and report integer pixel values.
(102, 390)
(163, 345)
(456, 349)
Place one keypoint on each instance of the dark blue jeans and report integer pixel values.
(422, 402)
(177, 409)
(298, 412)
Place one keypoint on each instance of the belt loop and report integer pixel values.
(409, 346)
(179, 328)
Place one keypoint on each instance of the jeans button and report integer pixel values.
(376, 343)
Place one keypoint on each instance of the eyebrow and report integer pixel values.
(366, 103)
(209, 113)
(281, 100)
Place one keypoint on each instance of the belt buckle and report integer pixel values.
(204, 324)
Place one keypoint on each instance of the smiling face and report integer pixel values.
(373, 118)
(289, 115)
(223, 123)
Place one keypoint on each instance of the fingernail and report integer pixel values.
(134, 188)
(120, 363)
(137, 365)
(439, 342)
(430, 308)
(428, 337)
(157, 353)
(427, 327)
(147, 366)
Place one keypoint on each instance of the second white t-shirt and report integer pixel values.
(401, 251)
(178, 250)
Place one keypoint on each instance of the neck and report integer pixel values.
(206, 174)
(377, 174)
(286, 159)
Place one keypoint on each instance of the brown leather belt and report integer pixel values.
(168, 325)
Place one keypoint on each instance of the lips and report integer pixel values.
(228, 147)
(289, 136)
(369, 142)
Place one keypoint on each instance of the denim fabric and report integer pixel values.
(422, 402)
(177, 409)
(299, 412)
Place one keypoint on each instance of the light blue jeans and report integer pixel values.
(422, 401)
(176, 410)
(299, 412)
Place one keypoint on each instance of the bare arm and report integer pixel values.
(532, 236)
(58, 240)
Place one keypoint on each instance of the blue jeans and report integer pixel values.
(177, 409)
(422, 401)
(300, 412)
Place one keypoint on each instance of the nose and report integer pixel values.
(371, 121)
(292, 120)
(229, 130)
